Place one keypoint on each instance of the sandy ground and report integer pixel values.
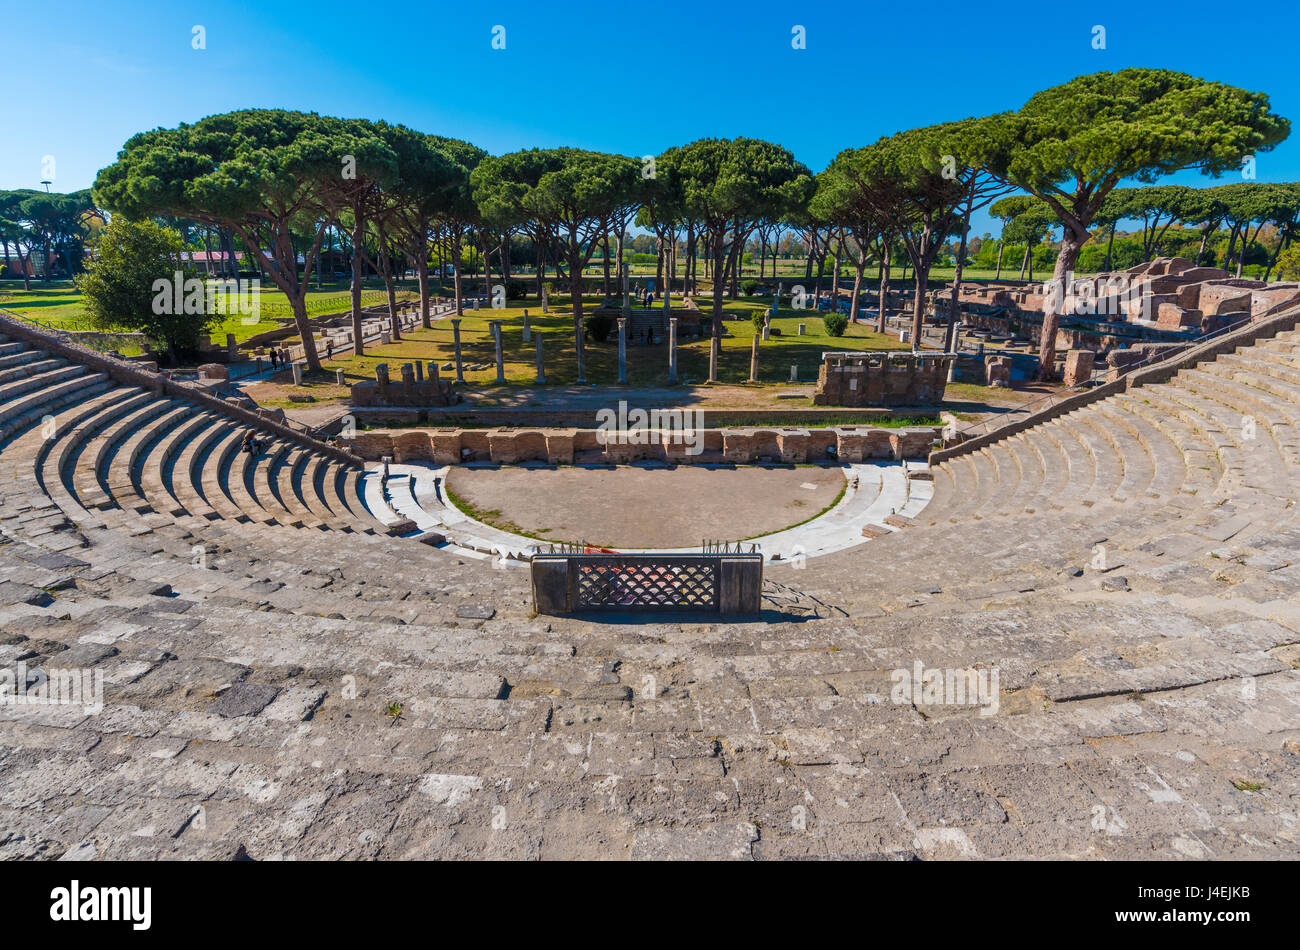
(634, 506)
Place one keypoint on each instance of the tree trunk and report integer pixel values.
(1111, 243)
(386, 272)
(358, 343)
(1072, 242)
(422, 274)
(998, 275)
(883, 302)
(457, 279)
(954, 306)
(835, 282)
(575, 291)
(715, 332)
(1232, 243)
(859, 266)
(487, 266)
(605, 284)
(301, 322)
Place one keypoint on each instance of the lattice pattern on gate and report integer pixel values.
(648, 582)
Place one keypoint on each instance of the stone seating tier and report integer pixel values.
(1128, 568)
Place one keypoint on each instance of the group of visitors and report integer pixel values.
(251, 445)
(279, 357)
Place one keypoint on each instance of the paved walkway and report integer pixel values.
(875, 491)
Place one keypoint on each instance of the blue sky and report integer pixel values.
(623, 77)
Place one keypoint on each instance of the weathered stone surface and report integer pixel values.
(312, 693)
(243, 699)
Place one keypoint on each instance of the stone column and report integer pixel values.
(381, 379)
(672, 349)
(232, 348)
(297, 374)
(546, 304)
(528, 331)
(794, 372)
(460, 367)
(767, 326)
(501, 360)
(622, 349)
(541, 373)
(433, 372)
(753, 360)
(340, 378)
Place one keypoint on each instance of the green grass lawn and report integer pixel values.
(647, 365)
(58, 304)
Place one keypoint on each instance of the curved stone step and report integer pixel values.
(283, 476)
(94, 462)
(1169, 471)
(265, 488)
(238, 481)
(74, 430)
(1030, 468)
(212, 468)
(307, 484)
(33, 375)
(180, 475)
(123, 480)
(981, 502)
(1078, 454)
(1110, 468)
(30, 408)
(155, 464)
(1055, 464)
(1135, 458)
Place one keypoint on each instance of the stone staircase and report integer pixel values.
(277, 665)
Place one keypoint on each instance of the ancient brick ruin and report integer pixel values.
(414, 389)
(1167, 300)
(882, 379)
(568, 446)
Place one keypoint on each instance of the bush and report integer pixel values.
(131, 284)
(835, 324)
(758, 316)
(516, 290)
(1288, 263)
(599, 326)
(748, 286)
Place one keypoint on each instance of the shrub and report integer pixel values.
(119, 292)
(599, 326)
(748, 286)
(758, 316)
(835, 324)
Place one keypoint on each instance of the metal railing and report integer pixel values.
(731, 547)
(690, 583)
